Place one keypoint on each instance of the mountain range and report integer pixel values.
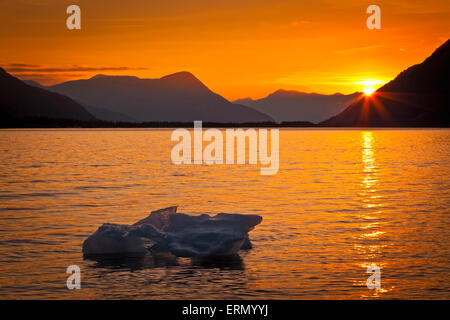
(283, 105)
(179, 97)
(418, 96)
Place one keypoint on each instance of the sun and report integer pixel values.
(368, 91)
(369, 86)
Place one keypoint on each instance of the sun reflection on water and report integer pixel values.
(342, 201)
(369, 245)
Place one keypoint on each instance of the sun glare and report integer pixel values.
(368, 91)
(369, 86)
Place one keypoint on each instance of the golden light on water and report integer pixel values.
(369, 245)
(324, 222)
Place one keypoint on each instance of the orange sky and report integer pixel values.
(246, 48)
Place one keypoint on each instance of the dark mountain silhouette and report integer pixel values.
(99, 113)
(176, 97)
(19, 100)
(283, 105)
(34, 83)
(418, 97)
(107, 115)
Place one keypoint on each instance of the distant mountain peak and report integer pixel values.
(182, 76)
(295, 93)
(184, 79)
(284, 93)
(245, 101)
(176, 97)
(99, 76)
(104, 76)
(290, 105)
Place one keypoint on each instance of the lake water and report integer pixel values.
(342, 200)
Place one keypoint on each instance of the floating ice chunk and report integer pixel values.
(116, 238)
(158, 218)
(196, 236)
(181, 234)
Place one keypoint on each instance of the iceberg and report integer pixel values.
(179, 234)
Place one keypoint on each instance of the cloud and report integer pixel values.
(50, 75)
(45, 77)
(22, 65)
(22, 68)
